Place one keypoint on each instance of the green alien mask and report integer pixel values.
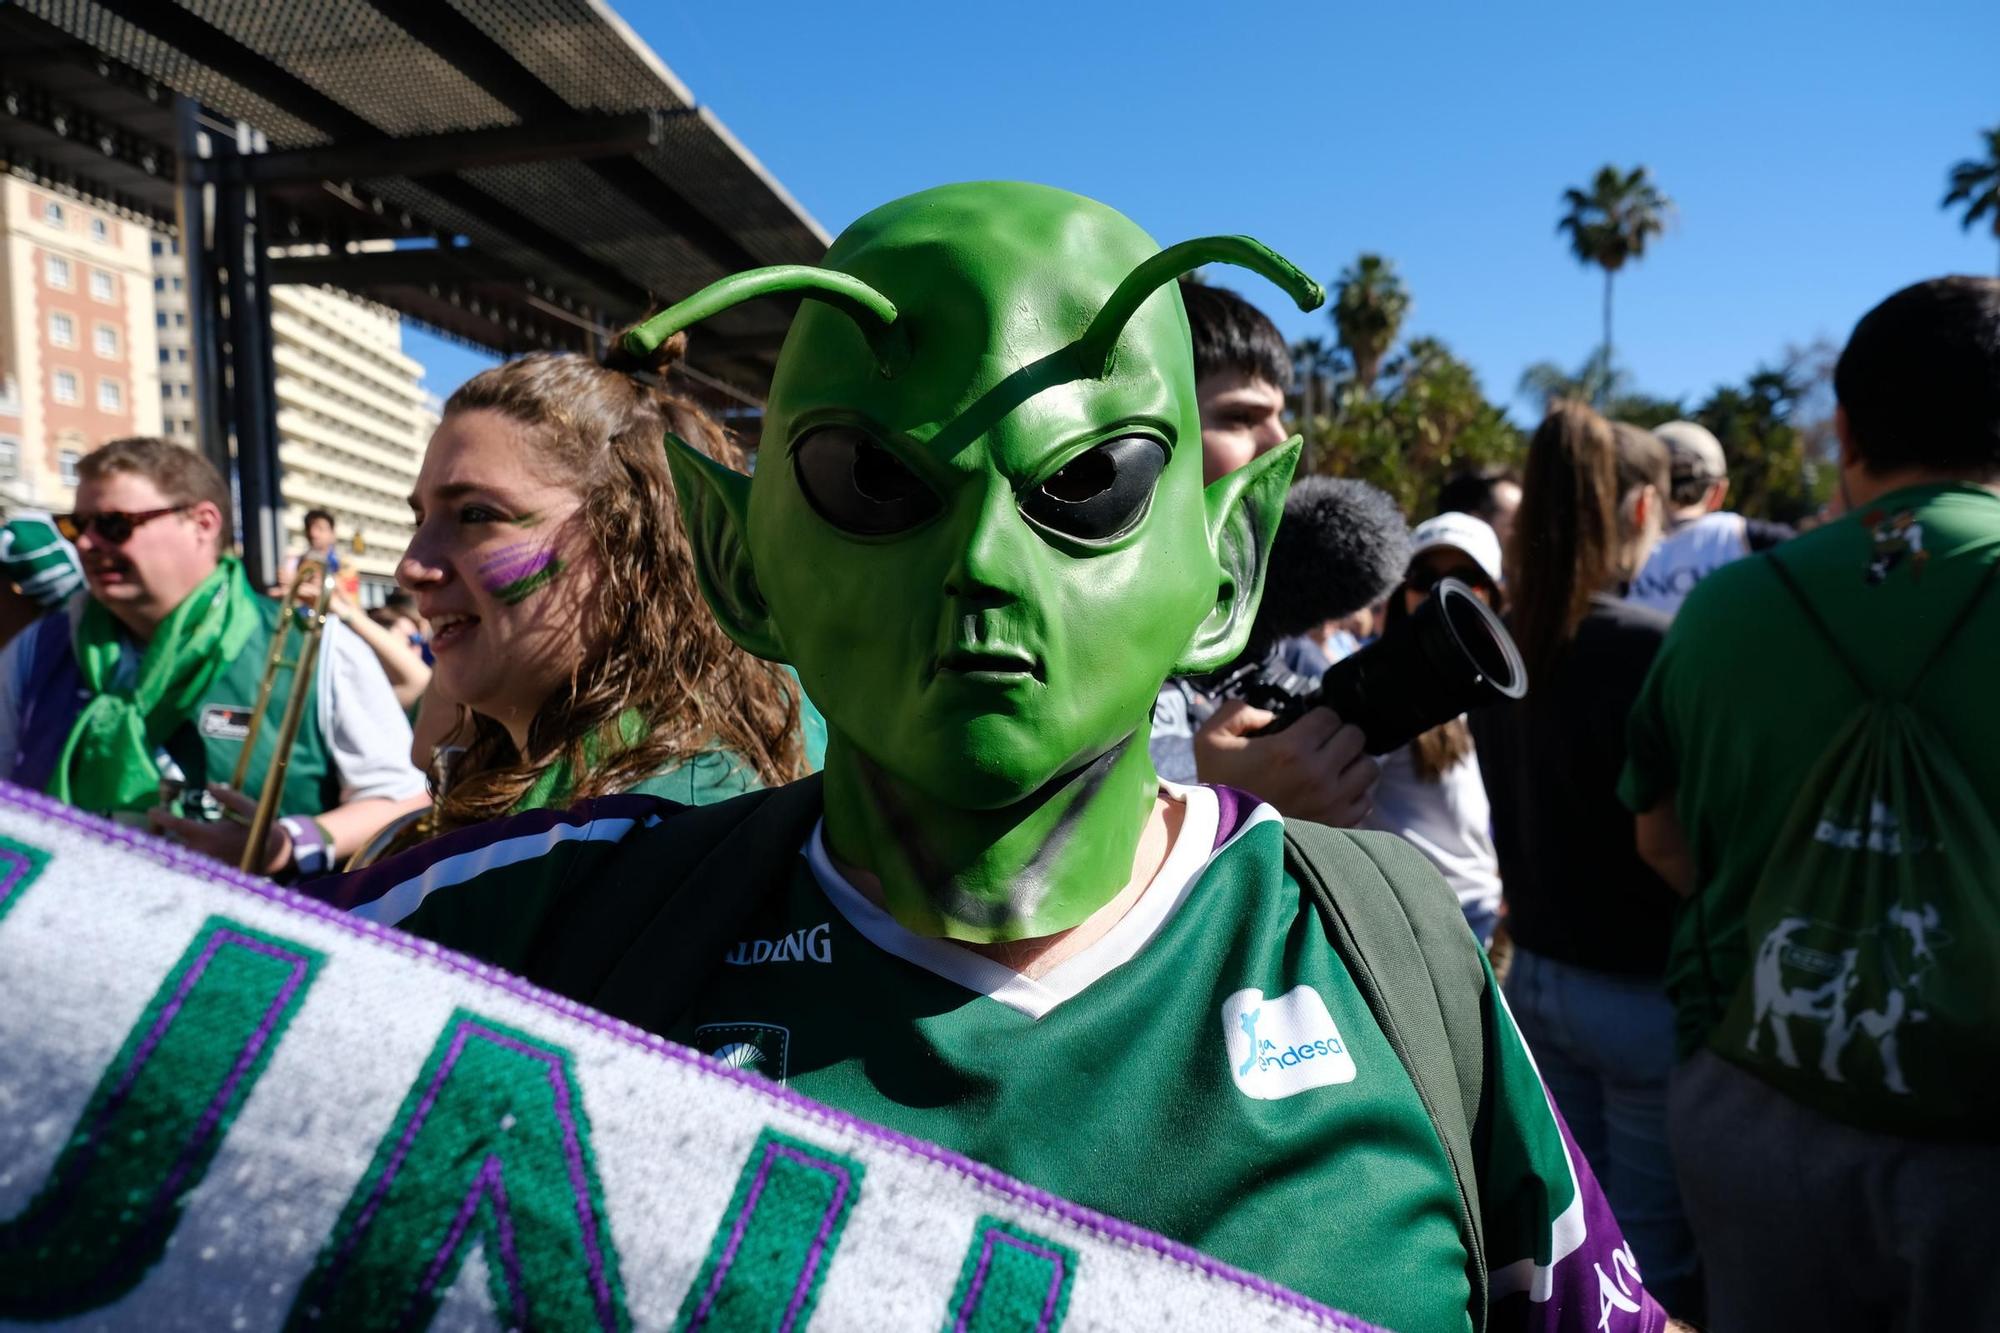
(978, 531)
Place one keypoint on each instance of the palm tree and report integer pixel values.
(1368, 311)
(1975, 183)
(1595, 382)
(1610, 224)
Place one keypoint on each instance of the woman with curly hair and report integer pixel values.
(568, 629)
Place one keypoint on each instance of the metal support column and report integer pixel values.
(224, 245)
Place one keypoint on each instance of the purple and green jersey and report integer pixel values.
(1207, 1069)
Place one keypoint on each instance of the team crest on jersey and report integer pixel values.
(1284, 1046)
(763, 1049)
(225, 722)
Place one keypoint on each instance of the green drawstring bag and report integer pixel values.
(1873, 993)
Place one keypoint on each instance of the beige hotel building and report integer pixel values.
(78, 360)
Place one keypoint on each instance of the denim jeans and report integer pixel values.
(1605, 1047)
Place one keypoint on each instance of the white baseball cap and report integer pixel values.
(1694, 452)
(1464, 532)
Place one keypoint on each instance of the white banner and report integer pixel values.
(223, 1107)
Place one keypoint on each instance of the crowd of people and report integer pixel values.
(1723, 862)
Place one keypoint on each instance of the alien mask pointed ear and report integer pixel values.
(1243, 512)
(873, 313)
(715, 509)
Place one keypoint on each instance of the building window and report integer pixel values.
(100, 286)
(182, 388)
(181, 355)
(52, 213)
(178, 284)
(66, 463)
(63, 386)
(10, 458)
(110, 395)
(56, 272)
(157, 247)
(104, 338)
(159, 319)
(100, 231)
(159, 283)
(62, 330)
(180, 319)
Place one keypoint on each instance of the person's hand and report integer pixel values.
(342, 609)
(225, 839)
(1314, 769)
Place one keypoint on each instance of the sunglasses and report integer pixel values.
(112, 527)
(1425, 581)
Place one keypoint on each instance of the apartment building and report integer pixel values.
(352, 417)
(77, 351)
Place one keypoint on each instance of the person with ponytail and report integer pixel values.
(574, 654)
(1589, 920)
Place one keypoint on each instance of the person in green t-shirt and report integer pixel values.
(980, 532)
(574, 657)
(1740, 705)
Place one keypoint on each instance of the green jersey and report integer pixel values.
(1728, 736)
(1206, 1069)
(1254, 1099)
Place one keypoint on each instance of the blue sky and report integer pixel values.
(1805, 146)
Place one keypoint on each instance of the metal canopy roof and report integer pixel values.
(559, 178)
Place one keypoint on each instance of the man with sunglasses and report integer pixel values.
(153, 671)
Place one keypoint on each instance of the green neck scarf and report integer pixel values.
(555, 788)
(107, 762)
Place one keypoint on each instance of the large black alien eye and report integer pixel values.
(1102, 493)
(857, 485)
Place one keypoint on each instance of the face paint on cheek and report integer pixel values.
(518, 571)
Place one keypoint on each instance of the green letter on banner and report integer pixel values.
(1012, 1281)
(776, 1240)
(153, 1124)
(19, 864)
(491, 1145)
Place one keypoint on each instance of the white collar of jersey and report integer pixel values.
(1036, 996)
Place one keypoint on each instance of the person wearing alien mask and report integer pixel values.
(979, 533)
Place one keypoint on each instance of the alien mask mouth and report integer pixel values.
(992, 662)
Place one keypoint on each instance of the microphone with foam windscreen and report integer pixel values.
(1341, 546)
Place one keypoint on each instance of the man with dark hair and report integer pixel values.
(1701, 537)
(1490, 493)
(1780, 674)
(1242, 369)
(1315, 769)
(152, 672)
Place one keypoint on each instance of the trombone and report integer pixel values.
(309, 617)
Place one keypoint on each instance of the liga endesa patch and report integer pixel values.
(229, 1108)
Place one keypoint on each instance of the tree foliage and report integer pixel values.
(1607, 389)
(1369, 306)
(1609, 224)
(1975, 185)
(1427, 418)
(1774, 437)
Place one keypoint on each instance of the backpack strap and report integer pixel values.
(1958, 623)
(1818, 622)
(1403, 938)
(703, 885)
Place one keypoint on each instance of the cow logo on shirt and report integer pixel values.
(1283, 1046)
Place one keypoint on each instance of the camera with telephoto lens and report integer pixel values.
(1449, 656)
